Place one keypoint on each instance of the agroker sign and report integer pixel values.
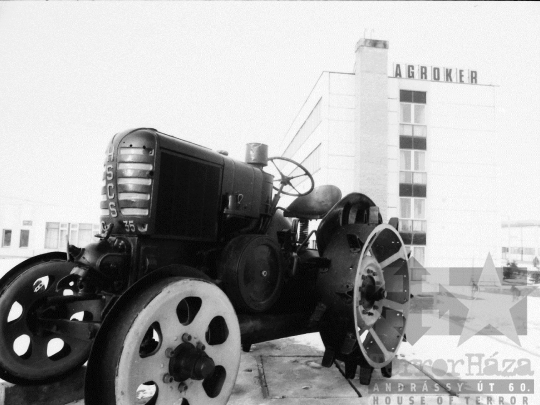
(435, 74)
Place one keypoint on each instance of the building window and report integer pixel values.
(74, 234)
(413, 114)
(412, 128)
(6, 237)
(51, 235)
(419, 253)
(79, 234)
(313, 162)
(412, 175)
(25, 236)
(528, 251)
(410, 96)
(412, 215)
(307, 128)
(85, 234)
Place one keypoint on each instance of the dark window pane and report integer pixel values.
(405, 190)
(25, 233)
(406, 95)
(407, 237)
(418, 190)
(6, 238)
(419, 97)
(418, 238)
(418, 143)
(406, 142)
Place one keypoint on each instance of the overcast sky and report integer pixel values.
(72, 74)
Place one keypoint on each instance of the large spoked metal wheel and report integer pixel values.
(381, 296)
(35, 345)
(176, 342)
(366, 290)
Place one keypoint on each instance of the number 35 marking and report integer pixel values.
(130, 226)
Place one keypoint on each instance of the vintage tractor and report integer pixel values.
(197, 261)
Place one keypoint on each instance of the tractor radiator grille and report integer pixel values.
(134, 179)
(134, 172)
(188, 197)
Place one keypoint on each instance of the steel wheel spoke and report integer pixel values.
(219, 353)
(396, 256)
(196, 394)
(147, 369)
(198, 327)
(171, 327)
(200, 324)
(380, 344)
(290, 184)
(39, 349)
(370, 244)
(15, 329)
(279, 171)
(361, 327)
(300, 175)
(397, 306)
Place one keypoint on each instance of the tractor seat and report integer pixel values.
(315, 205)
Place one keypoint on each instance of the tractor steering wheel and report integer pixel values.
(286, 185)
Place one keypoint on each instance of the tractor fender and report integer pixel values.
(31, 262)
(351, 209)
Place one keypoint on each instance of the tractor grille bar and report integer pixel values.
(134, 180)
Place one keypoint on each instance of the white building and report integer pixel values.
(418, 140)
(521, 243)
(30, 228)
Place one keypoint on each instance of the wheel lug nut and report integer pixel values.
(186, 337)
(182, 387)
(169, 352)
(167, 378)
(200, 346)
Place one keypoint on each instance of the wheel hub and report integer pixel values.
(370, 293)
(188, 361)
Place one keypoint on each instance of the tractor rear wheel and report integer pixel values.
(366, 290)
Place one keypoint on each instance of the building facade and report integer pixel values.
(29, 228)
(418, 140)
(521, 243)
